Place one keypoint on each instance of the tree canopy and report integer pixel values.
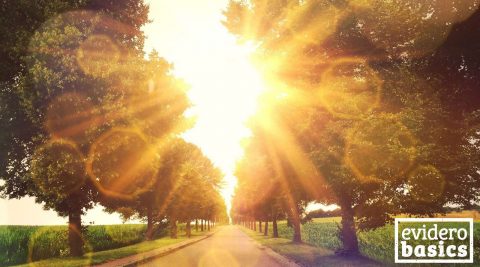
(92, 120)
(375, 95)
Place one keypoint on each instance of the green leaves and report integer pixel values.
(377, 94)
(54, 102)
(58, 169)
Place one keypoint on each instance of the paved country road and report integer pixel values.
(228, 247)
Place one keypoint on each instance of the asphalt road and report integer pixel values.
(228, 247)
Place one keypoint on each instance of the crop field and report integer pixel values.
(18, 244)
(377, 244)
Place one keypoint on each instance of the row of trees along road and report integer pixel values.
(375, 107)
(88, 120)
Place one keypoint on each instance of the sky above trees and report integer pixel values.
(224, 84)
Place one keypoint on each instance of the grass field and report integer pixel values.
(22, 244)
(18, 244)
(377, 244)
(94, 258)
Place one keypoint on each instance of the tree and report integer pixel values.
(273, 175)
(362, 97)
(184, 188)
(58, 172)
(58, 98)
(156, 119)
(194, 188)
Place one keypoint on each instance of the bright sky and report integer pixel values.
(224, 84)
(224, 89)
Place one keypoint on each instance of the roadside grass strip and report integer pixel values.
(96, 258)
(305, 254)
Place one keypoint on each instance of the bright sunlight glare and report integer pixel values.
(224, 84)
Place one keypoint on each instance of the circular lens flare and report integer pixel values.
(57, 167)
(380, 148)
(71, 116)
(350, 88)
(122, 163)
(98, 55)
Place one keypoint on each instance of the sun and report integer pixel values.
(224, 83)
(223, 100)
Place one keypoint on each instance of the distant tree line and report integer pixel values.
(320, 213)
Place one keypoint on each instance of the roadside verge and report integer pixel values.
(284, 261)
(149, 255)
(302, 254)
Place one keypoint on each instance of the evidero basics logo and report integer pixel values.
(433, 240)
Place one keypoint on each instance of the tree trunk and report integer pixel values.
(173, 228)
(75, 239)
(275, 227)
(149, 233)
(254, 226)
(201, 226)
(188, 229)
(297, 235)
(260, 226)
(348, 232)
(266, 228)
(208, 225)
(196, 225)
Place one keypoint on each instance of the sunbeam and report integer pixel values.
(224, 83)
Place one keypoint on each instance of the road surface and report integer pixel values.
(228, 247)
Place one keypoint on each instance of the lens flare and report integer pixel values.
(350, 88)
(122, 163)
(217, 257)
(98, 55)
(57, 168)
(380, 149)
(71, 116)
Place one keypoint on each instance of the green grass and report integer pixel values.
(328, 219)
(377, 244)
(307, 255)
(104, 256)
(18, 244)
